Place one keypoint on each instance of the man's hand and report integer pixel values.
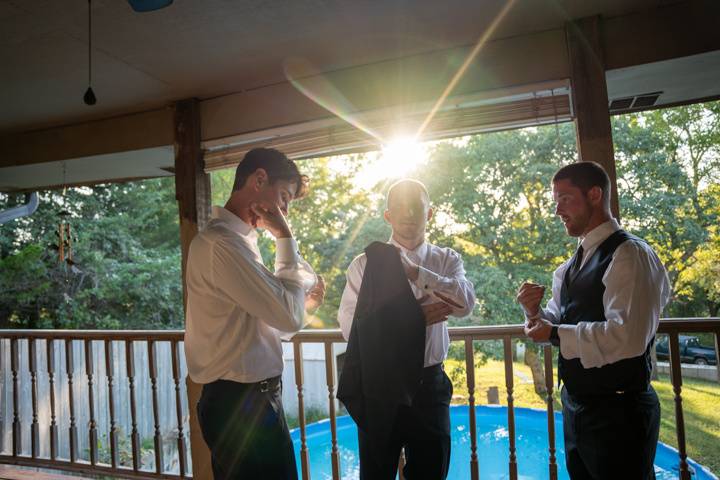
(529, 297)
(538, 330)
(412, 269)
(271, 218)
(434, 312)
(448, 300)
(315, 296)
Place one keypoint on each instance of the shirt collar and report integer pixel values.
(420, 251)
(598, 234)
(234, 223)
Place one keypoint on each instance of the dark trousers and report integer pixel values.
(246, 431)
(611, 437)
(422, 428)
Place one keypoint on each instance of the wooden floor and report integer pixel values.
(11, 472)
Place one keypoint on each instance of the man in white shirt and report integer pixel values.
(437, 278)
(237, 311)
(603, 314)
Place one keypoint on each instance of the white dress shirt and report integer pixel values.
(441, 270)
(636, 291)
(236, 308)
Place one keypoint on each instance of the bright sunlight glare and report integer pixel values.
(396, 160)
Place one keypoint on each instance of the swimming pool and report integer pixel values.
(492, 441)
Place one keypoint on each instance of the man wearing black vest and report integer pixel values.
(603, 314)
(396, 301)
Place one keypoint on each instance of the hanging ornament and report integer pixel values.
(89, 97)
(64, 233)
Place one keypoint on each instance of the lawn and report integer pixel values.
(701, 410)
(492, 374)
(701, 404)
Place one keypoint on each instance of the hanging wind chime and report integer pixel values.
(89, 97)
(64, 244)
(64, 233)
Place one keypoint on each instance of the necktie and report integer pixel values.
(575, 266)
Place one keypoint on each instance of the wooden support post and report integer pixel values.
(192, 190)
(590, 99)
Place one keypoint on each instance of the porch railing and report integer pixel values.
(92, 377)
(108, 369)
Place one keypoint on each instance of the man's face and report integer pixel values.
(572, 206)
(280, 193)
(408, 212)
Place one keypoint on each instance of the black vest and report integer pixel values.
(581, 300)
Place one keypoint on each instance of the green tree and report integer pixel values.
(668, 164)
(126, 260)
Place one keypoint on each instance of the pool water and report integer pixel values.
(531, 441)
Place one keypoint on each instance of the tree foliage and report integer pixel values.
(126, 260)
(492, 201)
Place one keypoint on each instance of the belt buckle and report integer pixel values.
(264, 386)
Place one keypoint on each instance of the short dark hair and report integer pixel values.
(277, 165)
(586, 175)
(405, 185)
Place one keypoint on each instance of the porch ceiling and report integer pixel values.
(205, 49)
(394, 56)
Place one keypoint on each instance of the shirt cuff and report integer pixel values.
(286, 251)
(568, 341)
(427, 280)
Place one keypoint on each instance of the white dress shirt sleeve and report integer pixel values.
(452, 283)
(278, 300)
(346, 312)
(551, 312)
(289, 265)
(636, 291)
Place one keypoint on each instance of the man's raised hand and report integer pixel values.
(316, 296)
(529, 297)
(270, 217)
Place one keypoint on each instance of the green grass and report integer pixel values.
(311, 415)
(701, 411)
(492, 374)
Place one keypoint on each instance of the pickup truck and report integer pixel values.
(690, 351)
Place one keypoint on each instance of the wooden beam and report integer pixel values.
(666, 31)
(590, 99)
(192, 190)
(111, 135)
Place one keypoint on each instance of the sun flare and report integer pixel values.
(400, 157)
(396, 160)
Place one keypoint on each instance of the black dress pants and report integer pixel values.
(423, 428)
(611, 437)
(245, 428)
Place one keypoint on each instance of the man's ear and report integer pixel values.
(386, 216)
(595, 195)
(430, 214)
(260, 178)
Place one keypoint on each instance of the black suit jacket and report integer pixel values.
(386, 349)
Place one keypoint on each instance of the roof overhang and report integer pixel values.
(671, 47)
